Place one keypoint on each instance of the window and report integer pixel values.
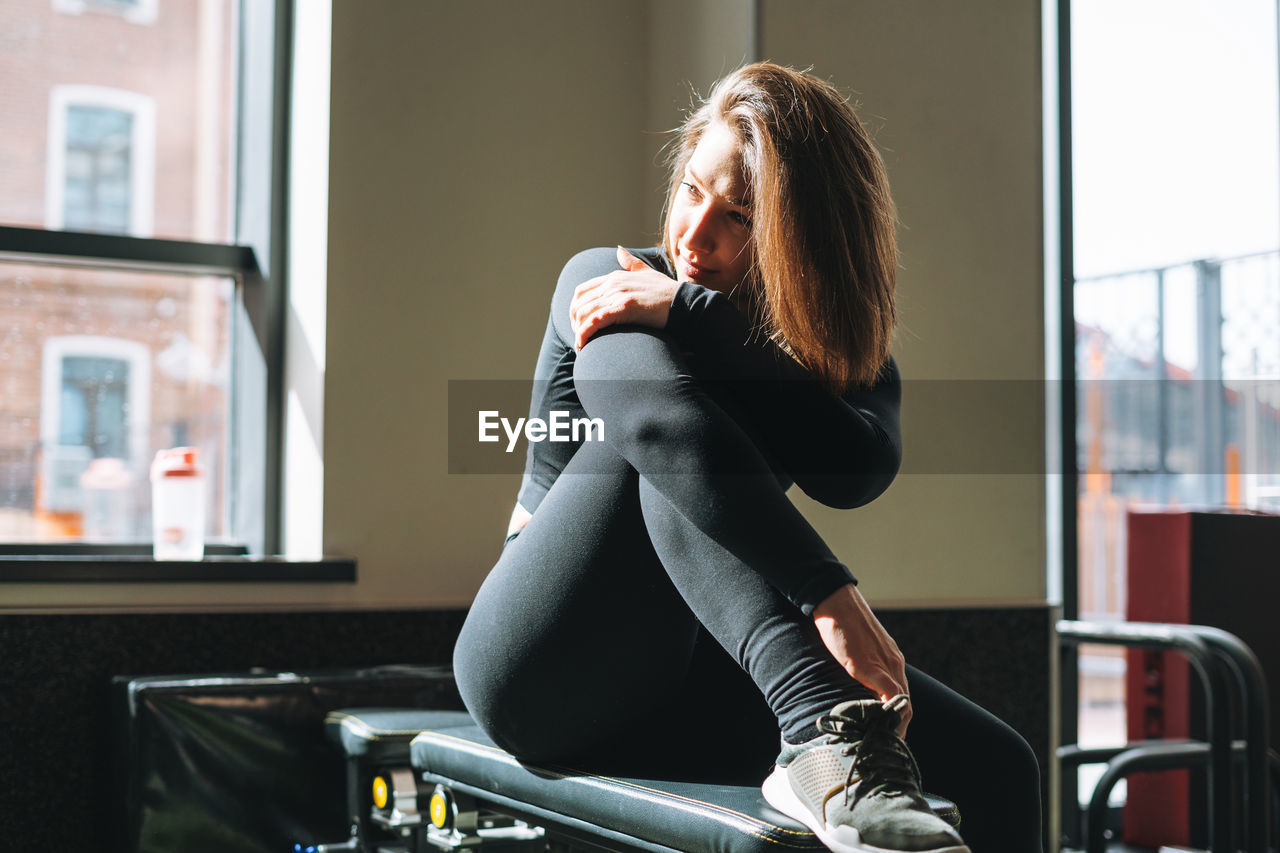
(98, 169)
(92, 404)
(101, 168)
(96, 395)
(94, 389)
(1173, 281)
(133, 11)
(141, 294)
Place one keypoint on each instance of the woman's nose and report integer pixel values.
(700, 235)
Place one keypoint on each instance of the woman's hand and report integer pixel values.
(861, 645)
(635, 294)
(519, 518)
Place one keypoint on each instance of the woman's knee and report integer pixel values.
(645, 399)
(476, 682)
(956, 736)
(1022, 765)
(498, 699)
(629, 354)
(997, 748)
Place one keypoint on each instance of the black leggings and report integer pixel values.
(588, 642)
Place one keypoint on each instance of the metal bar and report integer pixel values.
(1162, 392)
(1168, 755)
(1186, 639)
(1228, 259)
(1137, 759)
(1209, 390)
(1076, 755)
(1079, 755)
(37, 245)
(1244, 665)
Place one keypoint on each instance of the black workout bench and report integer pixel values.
(420, 781)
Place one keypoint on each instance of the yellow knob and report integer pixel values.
(439, 810)
(379, 792)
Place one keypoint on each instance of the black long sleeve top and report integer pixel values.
(842, 451)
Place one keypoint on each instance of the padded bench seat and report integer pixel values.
(383, 734)
(445, 748)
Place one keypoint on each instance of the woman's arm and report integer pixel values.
(553, 388)
(860, 644)
(842, 451)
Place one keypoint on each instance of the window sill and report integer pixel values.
(108, 568)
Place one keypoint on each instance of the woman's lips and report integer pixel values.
(693, 270)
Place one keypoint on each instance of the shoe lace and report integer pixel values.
(881, 758)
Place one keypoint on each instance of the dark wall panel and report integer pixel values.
(56, 671)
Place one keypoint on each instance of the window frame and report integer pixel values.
(1062, 439)
(256, 262)
(70, 249)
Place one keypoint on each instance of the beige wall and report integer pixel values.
(692, 44)
(468, 162)
(477, 145)
(952, 92)
(568, 173)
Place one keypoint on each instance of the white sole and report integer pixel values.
(777, 792)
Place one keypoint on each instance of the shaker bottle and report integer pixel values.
(177, 504)
(109, 503)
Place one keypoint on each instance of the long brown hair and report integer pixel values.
(826, 252)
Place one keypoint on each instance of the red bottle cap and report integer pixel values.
(177, 462)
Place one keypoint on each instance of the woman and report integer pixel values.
(748, 352)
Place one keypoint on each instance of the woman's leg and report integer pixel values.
(718, 519)
(720, 522)
(576, 631)
(776, 644)
(689, 446)
(981, 764)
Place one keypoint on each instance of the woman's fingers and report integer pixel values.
(636, 294)
(590, 310)
(588, 325)
(580, 308)
(887, 684)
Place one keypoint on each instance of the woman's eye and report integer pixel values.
(690, 188)
(741, 218)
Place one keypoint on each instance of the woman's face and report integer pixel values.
(709, 226)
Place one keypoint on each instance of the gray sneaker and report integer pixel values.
(857, 786)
